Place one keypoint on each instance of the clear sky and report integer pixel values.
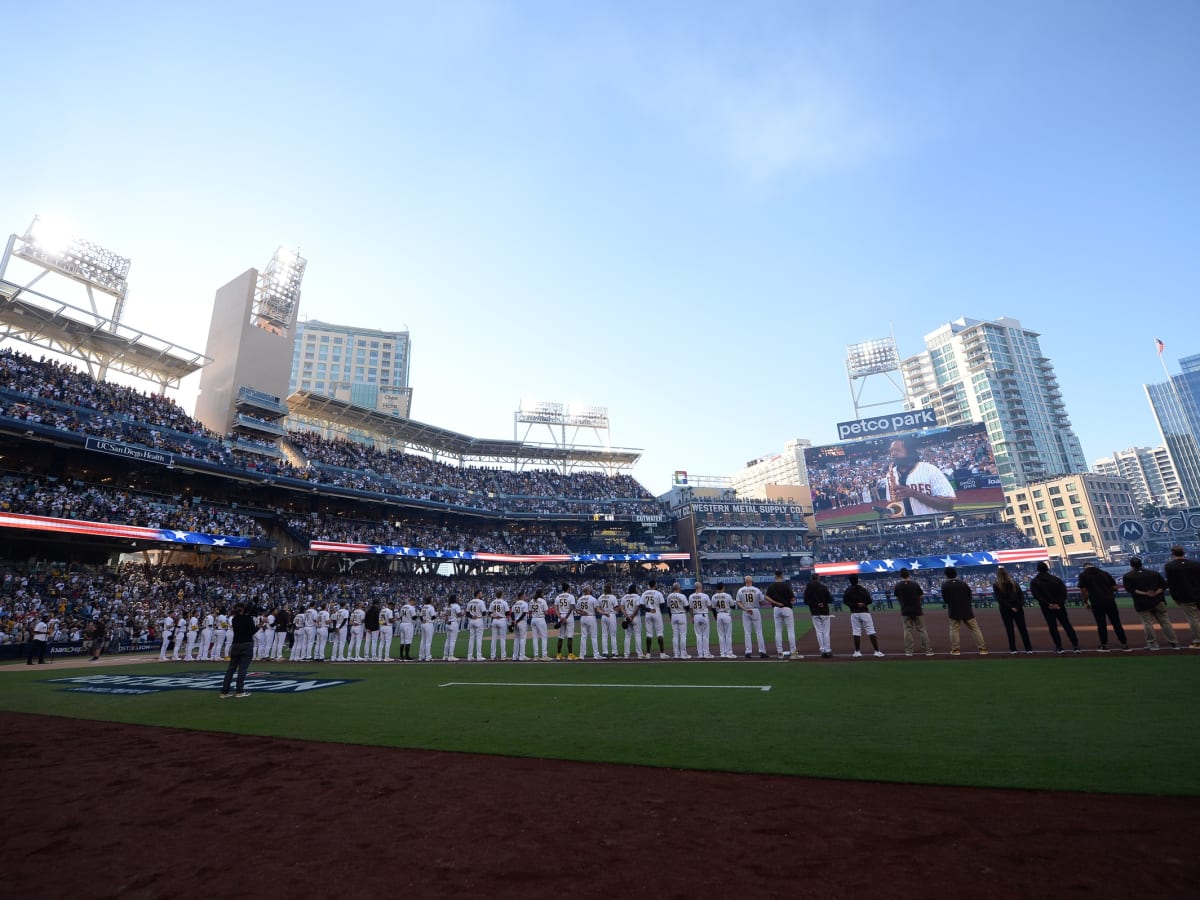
(682, 211)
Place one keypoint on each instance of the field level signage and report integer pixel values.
(889, 424)
(135, 685)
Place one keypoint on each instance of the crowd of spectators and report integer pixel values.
(93, 503)
(535, 539)
(53, 394)
(930, 543)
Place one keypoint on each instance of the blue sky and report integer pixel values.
(681, 211)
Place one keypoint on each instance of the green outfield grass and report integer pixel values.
(1123, 723)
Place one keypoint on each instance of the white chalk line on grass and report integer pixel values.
(718, 687)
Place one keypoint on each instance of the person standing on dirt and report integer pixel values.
(912, 612)
(957, 594)
(1099, 590)
(1050, 592)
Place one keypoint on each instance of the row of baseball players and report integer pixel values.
(367, 634)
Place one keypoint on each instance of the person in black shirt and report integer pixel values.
(1011, 600)
(1183, 580)
(1149, 590)
(817, 598)
(957, 595)
(1099, 591)
(910, 595)
(1050, 592)
(241, 652)
(858, 598)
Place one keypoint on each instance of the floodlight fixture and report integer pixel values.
(50, 243)
(587, 416)
(541, 412)
(277, 294)
(872, 357)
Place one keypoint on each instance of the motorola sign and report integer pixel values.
(1131, 530)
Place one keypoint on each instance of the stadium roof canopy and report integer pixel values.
(40, 320)
(321, 411)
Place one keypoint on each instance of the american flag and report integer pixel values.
(918, 563)
(128, 532)
(425, 553)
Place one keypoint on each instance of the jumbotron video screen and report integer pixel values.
(937, 472)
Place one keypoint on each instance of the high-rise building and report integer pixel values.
(786, 468)
(362, 366)
(1152, 479)
(1176, 406)
(994, 372)
(1075, 516)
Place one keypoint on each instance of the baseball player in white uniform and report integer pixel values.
(699, 603)
(275, 651)
(206, 637)
(428, 615)
(631, 621)
(538, 608)
(724, 606)
(520, 620)
(407, 614)
(606, 607)
(387, 614)
(357, 617)
(564, 603)
(305, 629)
(168, 632)
(322, 642)
(677, 603)
(219, 635)
(498, 615)
(452, 615)
(192, 634)
(476, 610)
(341, 624)
(652, 602)
(586, 605)
(749, 599)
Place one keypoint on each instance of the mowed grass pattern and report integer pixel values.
(1122, 723)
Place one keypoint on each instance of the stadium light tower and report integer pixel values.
(277, 293)
(868, 359)
(51, 246)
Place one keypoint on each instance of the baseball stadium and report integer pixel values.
(708, 712)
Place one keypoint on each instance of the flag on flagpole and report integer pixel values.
(1160, 345)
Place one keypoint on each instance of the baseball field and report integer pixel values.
(992, 776)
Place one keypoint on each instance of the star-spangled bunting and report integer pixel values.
(915, 563)
(128, 532)
(425, 553)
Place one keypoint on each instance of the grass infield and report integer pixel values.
(1120, 724)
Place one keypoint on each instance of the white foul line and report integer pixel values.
(727, 687)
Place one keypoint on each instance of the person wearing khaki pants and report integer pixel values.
(957, 595)
(1183, 581)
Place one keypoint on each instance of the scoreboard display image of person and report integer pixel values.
(937, 472)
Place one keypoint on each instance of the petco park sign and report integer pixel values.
(134, 685)
(877, 425)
